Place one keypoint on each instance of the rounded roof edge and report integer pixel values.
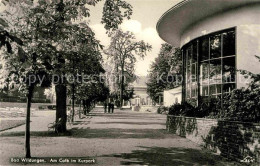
(173, 22)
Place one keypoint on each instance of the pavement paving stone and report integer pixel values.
(122, 138)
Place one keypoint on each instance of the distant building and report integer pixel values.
(140, 92)
(172, 96)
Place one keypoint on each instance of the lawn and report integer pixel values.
(8, 124)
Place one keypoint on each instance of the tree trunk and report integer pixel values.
(61, 112)
(122, 86)
(80, 110)
(73, 94)
(88, 106)
(28, 119)
(84, 107)
(73, 103)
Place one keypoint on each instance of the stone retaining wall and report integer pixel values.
(233, 140)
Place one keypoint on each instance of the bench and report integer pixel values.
(55, 125)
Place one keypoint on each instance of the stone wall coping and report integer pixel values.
(239, 122)
(208, 119)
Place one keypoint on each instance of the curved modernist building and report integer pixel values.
(217, 38)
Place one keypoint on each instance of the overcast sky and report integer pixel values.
(143, 22)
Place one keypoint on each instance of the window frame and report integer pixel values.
(198, 75)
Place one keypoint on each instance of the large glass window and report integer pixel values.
(191, 54)
(210, 58)
(215, 46)
(229, 43)
(204, 49)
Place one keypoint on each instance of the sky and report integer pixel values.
(146, 14)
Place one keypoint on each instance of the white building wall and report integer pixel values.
(246, 20)
(248, 45)
(171, 96)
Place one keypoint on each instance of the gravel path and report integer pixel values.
(122, 138)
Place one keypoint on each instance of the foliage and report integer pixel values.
(165, 71)
(175, 109)
(112, 10)
(6, 38)
(56, 27)
(92, 91)
(83, 65)
(254, 77)
(52, 32)
(162, 109)
(210, 108)
(128, 94)
(122, 51)
(184, 109)
(242, 105)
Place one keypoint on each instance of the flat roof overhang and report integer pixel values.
(180, 17)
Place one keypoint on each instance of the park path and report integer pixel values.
(122, 138)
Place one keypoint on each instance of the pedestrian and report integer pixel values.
(112, 107)
(109, 107)
(105, 107)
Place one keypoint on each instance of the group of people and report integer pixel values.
(110, 106)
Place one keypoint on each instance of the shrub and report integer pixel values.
(188, 110)
(209, 108)
(137, 108)
(242, 105)
(175, 109)
(162, 109)
(184, 109)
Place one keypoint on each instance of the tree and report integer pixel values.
(91, 91)
(47, 27)
(123, 50)
(165, 71)
(83, 59)
(85, 63)
(24, 68)
(6, 38)
(55, 22)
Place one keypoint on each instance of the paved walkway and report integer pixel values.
(122, 138)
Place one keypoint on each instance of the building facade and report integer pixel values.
(140, 97)
(172, 96)
(217, 39)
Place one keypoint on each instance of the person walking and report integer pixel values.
(109, 107)
(112, 107)
(105, 107)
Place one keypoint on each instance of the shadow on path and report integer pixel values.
(132, 123)
(127, 115)
(111, 133)
(168, 156)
